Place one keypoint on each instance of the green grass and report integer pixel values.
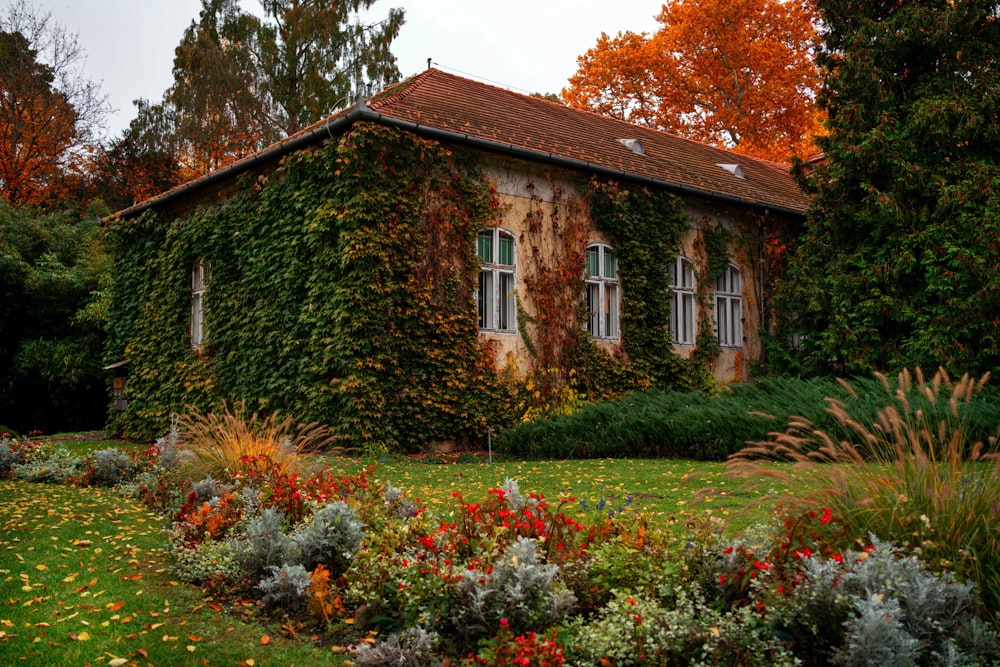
(82, 581)
(670, 492)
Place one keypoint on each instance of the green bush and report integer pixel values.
(655, 424)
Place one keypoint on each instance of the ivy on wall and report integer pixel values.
(645, 227)
(340, 290)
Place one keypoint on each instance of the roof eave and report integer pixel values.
(360, 111)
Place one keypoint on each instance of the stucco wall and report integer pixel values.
(542, 207)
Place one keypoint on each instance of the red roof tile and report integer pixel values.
(460, 109)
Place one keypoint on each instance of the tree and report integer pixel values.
(242, 82)
(898, 264)
(52, 270)
(733, 73)
(141, 163)
(49, 112)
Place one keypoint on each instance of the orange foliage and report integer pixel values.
(732, 73)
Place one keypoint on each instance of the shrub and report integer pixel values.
(655, 424)
(265, 545)
(639, 630)
(8, 456)
(209, 563)
(517, 588)
(914, 476)
(108, 467)
(414, 647)
(332, 536)
(286, 588)
(52, 465)
(876, 607)
(223, 443)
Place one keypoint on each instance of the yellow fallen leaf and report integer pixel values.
(250, 662)
(117, 662)
(83, 636)
(41, 567)
(190, 648)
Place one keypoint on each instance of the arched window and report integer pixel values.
(682, 308)
(729, 307)
(495, 295)
(603, 292)
(199, 284)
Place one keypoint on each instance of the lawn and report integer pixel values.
(83, 579)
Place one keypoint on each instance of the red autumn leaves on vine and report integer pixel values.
(737, 74)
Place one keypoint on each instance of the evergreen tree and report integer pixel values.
(898, 264)
(242, 81)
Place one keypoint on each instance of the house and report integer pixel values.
(441, 258)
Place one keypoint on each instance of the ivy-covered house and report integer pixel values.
(442, 259)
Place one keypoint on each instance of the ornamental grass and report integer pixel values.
(913, 475)
(231, 442)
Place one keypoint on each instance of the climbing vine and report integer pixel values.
(340, 291)
(646, 228)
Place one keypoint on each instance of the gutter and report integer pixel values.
(360, 111)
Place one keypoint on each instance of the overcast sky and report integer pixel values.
(526, 45)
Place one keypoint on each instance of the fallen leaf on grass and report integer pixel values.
(82, 637)
(265, 640)
(117, 662)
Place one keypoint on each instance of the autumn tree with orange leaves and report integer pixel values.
(739, 74)
(49, 112)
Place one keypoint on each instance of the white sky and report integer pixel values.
(526, 45)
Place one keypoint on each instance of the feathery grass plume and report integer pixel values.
(230, 441)
(914, 475)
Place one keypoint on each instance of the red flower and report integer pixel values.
(827, 516)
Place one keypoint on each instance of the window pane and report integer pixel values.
(673, 274)
(484, 246)
(593, 261)
(507, 315)
(611, 298)
(687, 318)
(736, 323)
(484, 297)
(687, 274)
(506, 250)
(610, 264)
(593, 308)
(722, 320)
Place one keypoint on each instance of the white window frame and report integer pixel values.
(495, 293)
(729, 307)
(199, 285)
(682, 309)
(603, 292)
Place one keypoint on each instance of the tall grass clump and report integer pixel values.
(914, 475)
(231, 441)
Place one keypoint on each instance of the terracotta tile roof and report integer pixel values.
(459, 109)
(436, 99)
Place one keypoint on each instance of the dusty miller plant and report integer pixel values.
(520, 589)
(331, 536)
(885, 609)
(414, 647)
(286, 588)
(264, 546)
